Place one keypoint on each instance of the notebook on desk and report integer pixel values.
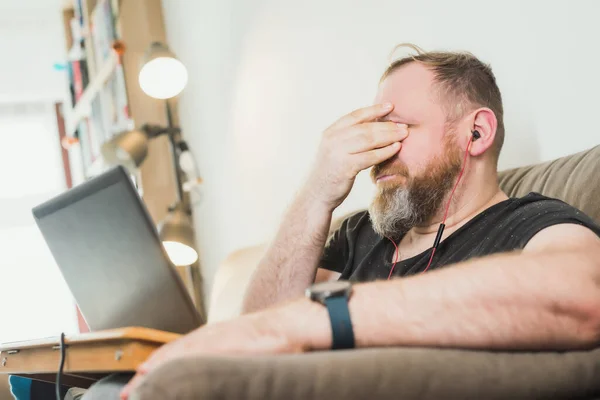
(110, 255)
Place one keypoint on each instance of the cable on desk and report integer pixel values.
(61, 365)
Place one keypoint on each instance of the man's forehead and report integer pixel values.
(412, 80)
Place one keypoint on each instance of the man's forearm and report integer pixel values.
(509, 301)
(291, 261)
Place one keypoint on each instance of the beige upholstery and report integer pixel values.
(231, 282)
(574, 179)
(382, 374)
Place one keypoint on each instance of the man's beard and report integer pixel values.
(396, 209)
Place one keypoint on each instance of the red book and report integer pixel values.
(77, 80)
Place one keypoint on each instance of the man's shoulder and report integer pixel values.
(538, 203)
(535, 206)
(351, 220)
(534, 197)
(525, 216)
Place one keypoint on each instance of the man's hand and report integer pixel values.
(273, 331)
(350, 145)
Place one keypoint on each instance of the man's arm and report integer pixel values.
(290, 263)
(350, 145)
(545, 297)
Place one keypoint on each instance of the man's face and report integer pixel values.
(412, 185)
(411, 89)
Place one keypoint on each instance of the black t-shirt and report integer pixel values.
(360, 254)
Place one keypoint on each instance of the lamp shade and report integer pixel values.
(162, 75)
(177, 235)
(127, 148)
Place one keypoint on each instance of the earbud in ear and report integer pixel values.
(476, 135)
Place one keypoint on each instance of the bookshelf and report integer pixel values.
(82, 109)
(105, 95)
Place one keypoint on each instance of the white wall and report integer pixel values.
(31, 41)
(267, 76)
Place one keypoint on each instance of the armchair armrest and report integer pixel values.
(389, 373)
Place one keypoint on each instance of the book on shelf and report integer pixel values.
(102, 30)
(97, 127)
(120, 117)
(84, 144)
(78, 11)
(71, 81)
(77, 36)
(80, 78)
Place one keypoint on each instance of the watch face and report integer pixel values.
(324, 290)
(334, 286)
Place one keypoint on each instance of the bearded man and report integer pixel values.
(501, 273)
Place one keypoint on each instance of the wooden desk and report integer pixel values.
(88, 357)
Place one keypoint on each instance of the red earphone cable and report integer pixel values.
(443, 221)
(430, 260)
(396, 255)
(457, 181)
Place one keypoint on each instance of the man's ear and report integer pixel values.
(484, 122)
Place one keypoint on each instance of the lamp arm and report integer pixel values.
(176, 141)
(173, 139)
(177, 144)
(153, 131)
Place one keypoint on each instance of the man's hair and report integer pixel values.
(463, 83)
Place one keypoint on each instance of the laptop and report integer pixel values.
(111, 257)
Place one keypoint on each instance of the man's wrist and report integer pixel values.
(313, 200)
(306, 324)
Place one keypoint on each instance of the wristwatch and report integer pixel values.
(334, 296)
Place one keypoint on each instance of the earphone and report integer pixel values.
(438, 237)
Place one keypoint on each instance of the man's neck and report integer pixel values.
(464, 206)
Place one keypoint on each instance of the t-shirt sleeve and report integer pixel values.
(336, 252)
(543, 214)
(339, 250)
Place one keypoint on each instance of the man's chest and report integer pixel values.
(409, 249)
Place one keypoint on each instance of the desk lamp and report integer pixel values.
(161, 76)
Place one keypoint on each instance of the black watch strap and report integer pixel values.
(341, 325)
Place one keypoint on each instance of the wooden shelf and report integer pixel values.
(83, 107)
